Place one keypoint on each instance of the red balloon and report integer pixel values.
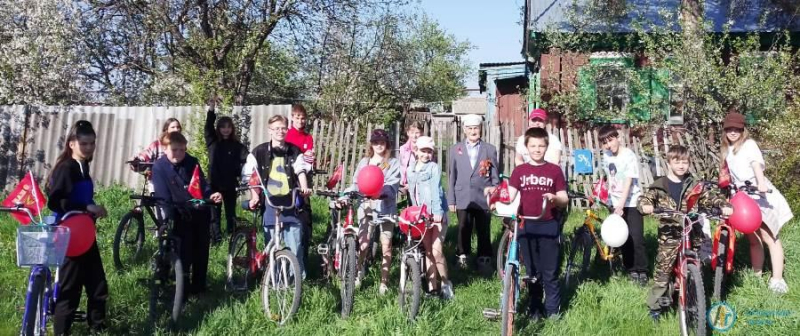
(370, 181)
(411, 221)
(81, 234)
(746, 217)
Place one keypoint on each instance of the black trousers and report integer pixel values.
(192, 229)
(467, 220)
(540, 253)
(85, 271)
(634, 256)
(305, 216)
(229, 202)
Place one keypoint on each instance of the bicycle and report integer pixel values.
(724, 244)
(584, 239)
(413, 262)
(41, 246)
(511, 277)
(686, 279)
(129, 239)
(281, 286)
(341, 261)
(244, 261)
(166, 284)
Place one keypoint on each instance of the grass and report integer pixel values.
(602, 306)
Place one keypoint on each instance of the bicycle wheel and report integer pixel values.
(281, 288)
(502, 252)
(409, 296)
(167, 287)
(719, 271)
(580, 254)
(693, 313)
(509, 300)
(128, 240)
(34, 309)
(238, 268)
(348, 268)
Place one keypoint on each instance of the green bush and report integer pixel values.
(783, 165)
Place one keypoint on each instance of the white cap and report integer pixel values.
(425, 142)
(472, 120)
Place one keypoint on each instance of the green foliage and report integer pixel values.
(783, 164)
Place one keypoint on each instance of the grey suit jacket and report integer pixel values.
(465, 184)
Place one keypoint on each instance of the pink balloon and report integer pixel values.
(81, 234)
(370, 181)
(746, 217)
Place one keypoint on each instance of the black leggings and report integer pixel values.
(229, 202)
(84, 271)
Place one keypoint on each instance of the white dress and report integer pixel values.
(775, 211)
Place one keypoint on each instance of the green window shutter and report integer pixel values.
(587, 91)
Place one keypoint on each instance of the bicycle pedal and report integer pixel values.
(491, 314)
(322, 249)
(80, 316)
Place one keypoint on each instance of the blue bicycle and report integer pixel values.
(511, 276)
(40, 246)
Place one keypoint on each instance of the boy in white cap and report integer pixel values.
(471, 167)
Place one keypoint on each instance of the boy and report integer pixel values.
(471, 167)
(624, 191)
(281, 169)
(172, 174)
(672, 192)
(298, 136)
(538, 119)
(538, 240)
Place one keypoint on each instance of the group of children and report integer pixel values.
(285, 163)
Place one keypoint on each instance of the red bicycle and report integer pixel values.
(245, 260)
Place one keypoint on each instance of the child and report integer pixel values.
(172, 174)
(624, 193)
(538, 119)
(281, 168)
(539, 240)
(425, 188)
(155, 150)
(226, 157)
(407, 152)
(671, 193)
(471, 167)
(298, 136)
(746, 163)
(379, 153)
(70, 188)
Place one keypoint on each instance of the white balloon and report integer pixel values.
(614, 231)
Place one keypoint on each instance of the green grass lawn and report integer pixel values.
(600, 306)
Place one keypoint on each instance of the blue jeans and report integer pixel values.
(292, 238)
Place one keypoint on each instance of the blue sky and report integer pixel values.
(492, 26)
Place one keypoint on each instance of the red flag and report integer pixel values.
(600, 191)
(500, 193)
(194, 184)
(29, 195)
(255, 178)
(724, 175)
(335, 177)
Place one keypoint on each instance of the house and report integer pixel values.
(599, 75)
(505, 86)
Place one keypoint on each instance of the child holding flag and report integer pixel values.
(177, 178)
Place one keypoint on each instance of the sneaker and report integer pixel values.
(359, 276)
(643, 279)
(447, 290)
(462, 261)
(778, 286)
(655, 315)
(634, 277)
(383, 289)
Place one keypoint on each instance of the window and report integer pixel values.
(612, 88)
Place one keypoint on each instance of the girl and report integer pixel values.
(70, 188)
(746, 163)
(156, 150)
(424, 182)
(407, 152)
(379, 153)
(226, 157)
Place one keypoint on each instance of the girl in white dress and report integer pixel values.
(746, 163)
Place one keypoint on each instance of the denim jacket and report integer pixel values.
(425, 187)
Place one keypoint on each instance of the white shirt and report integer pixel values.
(625, 165)
(553, 147)
(741, 164)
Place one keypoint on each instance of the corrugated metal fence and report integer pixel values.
(31, 137)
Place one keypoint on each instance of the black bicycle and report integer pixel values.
(167, 285)
(129, 239)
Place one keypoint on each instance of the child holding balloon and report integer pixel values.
(379, 153)
(70, 188)
(746, 164)
(539, 240)
(673, 192)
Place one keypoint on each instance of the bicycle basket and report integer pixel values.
(41, 245)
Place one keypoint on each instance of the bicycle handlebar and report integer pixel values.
(749, 188)
(266, 196)
(19, 208)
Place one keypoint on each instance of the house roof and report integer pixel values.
(470, 105)
(501, 64)
(737, 15)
